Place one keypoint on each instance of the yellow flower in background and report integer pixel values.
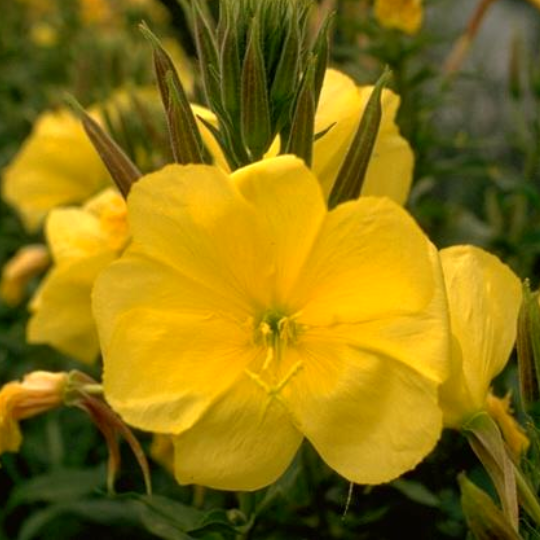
(25, 265)
(38, 392)
(484, 297)
(245, 316)
(82, 241)
(56, 165)
(404, 15)
(342, 104)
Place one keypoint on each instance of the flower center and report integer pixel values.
(275, 331)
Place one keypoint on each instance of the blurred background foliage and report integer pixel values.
(475, 132)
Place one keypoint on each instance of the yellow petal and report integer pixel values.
(405, 15)
(208, 139)
(484, 297)
(370, 261)
(289, 202)
(26, 264)
(56, 165)
(164, 368)
(157, 285)
(61, 312)
(370, 418)
(341, 105)
(244, 441)
(418, 340)
(206, 222)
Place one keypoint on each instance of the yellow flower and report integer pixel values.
(25, 265)
(340, 108)
(245, 316)
(56, 165)
(405, 15)
(484, 297)
(38, 392)
(342, 104)
(83, 241)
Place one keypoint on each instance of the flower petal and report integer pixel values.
(61, 312)
(157, 284)
(418, 340)
(484, 298)
(57, 165)
(194, 219)
(370, 261)
(195, 358)
(288, 199)
(370, 418)
(244, 441)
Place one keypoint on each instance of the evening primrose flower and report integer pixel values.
(484, 297)
(38, 392)
(404, 15)
(245, 316)
(83, 241)
(56, 165)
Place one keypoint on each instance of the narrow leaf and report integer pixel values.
(122, 170)
(350, 179)
(185, 139)
(256, 129)
(301, 135)
(486, 441)
(484, 518)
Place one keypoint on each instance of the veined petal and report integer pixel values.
(342, 104)
(418, 340)
(288, 199)
(244, 441)
(157, 285)
(195, 357)
(484, 297)
(370, 418)
(193, 218)
(61, 311)
(56, 165)
(370, 261)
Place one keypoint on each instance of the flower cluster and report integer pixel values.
(268, 287)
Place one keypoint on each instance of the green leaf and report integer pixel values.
(301, 135)
(350, 178)
(61, 485)
(122, 170)
(417, 492)
(256, 128)
(185, 139)
(487, 443)
(484, 518)
(106, 512)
